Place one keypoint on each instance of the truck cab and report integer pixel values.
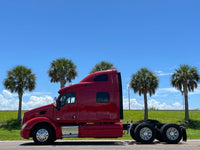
(95, 99)
(91, 108)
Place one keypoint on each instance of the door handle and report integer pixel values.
(73, 117)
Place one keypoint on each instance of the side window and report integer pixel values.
(102, 77)
(102, 97)
(70, 98)
(62, 100)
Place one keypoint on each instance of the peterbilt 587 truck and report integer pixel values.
(93, 108)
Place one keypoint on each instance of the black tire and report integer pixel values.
(43, 135)
(145, 133)
(133, 130)
(171, 133)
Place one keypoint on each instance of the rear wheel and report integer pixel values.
(171, 133)
(43, 134)
(145, 133)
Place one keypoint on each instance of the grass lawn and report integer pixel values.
(10, 129)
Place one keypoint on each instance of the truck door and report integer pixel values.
(67, 108)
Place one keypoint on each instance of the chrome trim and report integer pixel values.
(42, 135)
(146, 133)
(172, 133)
(69, 131)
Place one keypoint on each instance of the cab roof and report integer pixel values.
(89, 78)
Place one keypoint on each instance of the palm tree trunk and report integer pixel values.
(62, 83)
(145, 106)
(186, 103)
(20, 107)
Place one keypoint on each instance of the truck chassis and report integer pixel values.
(144, 132)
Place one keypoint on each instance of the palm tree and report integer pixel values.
(143, 82)
(103, 65)
(62, 70)
(18, 80)
(185, 79)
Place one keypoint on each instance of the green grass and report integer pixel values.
(162, 116)
(10, 128)
(7, 115)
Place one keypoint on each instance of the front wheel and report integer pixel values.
(42, 135)
(145, 133)
(171, 133)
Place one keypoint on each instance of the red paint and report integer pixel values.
(101, 130)
(93, 118)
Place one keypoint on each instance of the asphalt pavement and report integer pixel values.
(98, 145)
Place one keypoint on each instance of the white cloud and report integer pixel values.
(35, 101)
(174, 90)
(37, 93)
(196, 91)
(161, 73)
(178, 105)
(161, 106)
(151, 103)
(156, 104)
(7, 94)
(10, 101)
(133, 104)
(164, 90)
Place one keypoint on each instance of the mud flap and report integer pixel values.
(184, 133)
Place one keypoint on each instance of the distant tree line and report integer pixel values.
(185, 79)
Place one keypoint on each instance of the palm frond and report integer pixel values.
(103, 65)
(144, 81)
(62, 70)
(20, 79)
(185, 75)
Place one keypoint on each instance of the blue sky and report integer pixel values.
(159, 35)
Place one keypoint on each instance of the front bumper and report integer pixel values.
(25, 134)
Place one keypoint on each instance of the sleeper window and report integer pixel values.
(102, 77)
(102, 97)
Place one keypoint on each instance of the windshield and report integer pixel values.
(66, 98)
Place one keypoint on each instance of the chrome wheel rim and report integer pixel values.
(145, 133)
(172, 133)
(42, 135)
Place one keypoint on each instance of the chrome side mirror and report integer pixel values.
(55, 102)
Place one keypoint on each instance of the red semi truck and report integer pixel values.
(93, 108)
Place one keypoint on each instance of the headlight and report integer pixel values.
(24, 125)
